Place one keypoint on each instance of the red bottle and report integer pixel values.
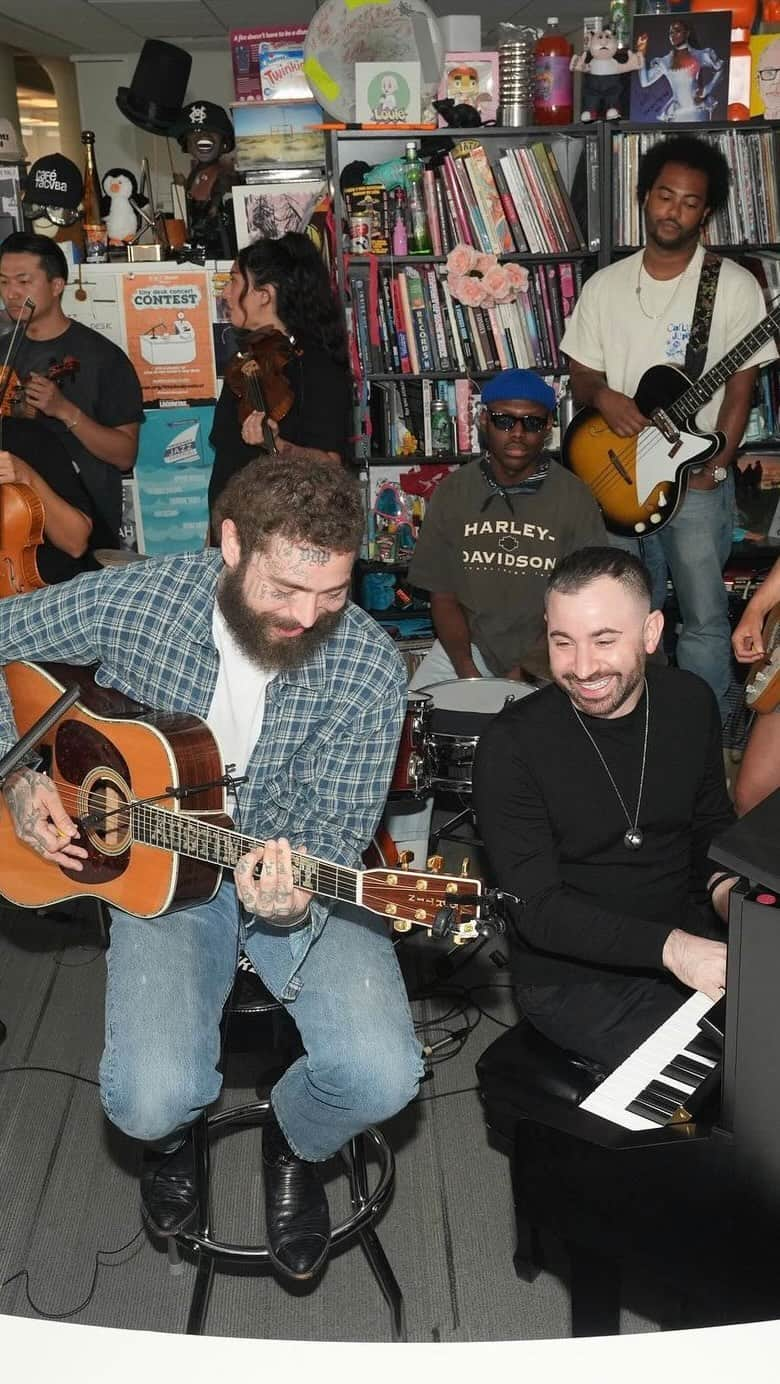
(553, 84)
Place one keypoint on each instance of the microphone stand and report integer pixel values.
(28, 741)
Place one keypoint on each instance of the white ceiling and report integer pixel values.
(62, 28)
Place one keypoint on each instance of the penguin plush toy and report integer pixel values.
(120, 206)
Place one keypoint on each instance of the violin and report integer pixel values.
(21, 509)
(12, 390)
(256, 376)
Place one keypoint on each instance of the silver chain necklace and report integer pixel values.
(634, 836)
(653, 316)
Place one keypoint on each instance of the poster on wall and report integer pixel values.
(686, 73)
(92, 297)
(268, 211)
(173, 469)
(169, 339)
(765, 67)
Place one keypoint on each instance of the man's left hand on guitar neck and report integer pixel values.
(271, 894)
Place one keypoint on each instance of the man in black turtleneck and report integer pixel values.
(493, 532)
(597, 800)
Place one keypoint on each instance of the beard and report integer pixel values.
(255, 633)
(672, 240)
(616, 693)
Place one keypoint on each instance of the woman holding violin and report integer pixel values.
(288, 390)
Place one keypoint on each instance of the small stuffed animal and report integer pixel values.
(123, 220)
(604, 67)
(460, 114)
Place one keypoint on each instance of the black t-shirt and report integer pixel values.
(46, 455)
(318, 418)
(553, 827)
(105, 386)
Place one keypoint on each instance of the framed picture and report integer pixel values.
(270, 133)
(387, 93)
(471, 79)
(765, 68)
(686, 71)
(266, 211)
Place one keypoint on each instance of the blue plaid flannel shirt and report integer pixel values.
(321, 768)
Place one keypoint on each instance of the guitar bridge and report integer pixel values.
(667, 429)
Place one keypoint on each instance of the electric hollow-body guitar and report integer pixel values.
(148, 793)
(640, 482)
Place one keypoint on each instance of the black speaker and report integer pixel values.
(154, 99)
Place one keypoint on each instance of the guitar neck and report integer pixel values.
(702, 391)
(199, 840)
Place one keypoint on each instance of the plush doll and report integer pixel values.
(604, 67)
(121, 206)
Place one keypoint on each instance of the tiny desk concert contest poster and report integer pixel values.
(169, 337)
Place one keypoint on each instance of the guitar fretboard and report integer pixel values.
(216, 845)
(700, 393)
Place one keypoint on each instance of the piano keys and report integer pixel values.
(656, 1083)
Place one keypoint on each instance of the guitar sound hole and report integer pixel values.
(108, 815)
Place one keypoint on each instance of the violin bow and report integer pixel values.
(17, 337)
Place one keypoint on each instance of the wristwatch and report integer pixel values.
(719, 474)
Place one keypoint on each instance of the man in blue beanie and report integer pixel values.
(493, 533)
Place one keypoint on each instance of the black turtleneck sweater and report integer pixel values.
(553, 827)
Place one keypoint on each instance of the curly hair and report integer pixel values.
(305, 301)
(691, 153)
(310, 502)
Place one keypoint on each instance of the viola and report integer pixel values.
(256, 376)
(21, 510)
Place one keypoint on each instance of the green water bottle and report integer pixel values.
(417, 220)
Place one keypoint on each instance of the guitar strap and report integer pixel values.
(696, 351)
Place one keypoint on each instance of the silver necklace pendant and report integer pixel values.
(633, 839)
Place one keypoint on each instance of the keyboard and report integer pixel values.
(652, 1086)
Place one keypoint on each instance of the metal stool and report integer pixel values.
(367, 1202)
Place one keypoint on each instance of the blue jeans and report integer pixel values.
(695, 546)
(168, 979)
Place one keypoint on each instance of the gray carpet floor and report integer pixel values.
(71, 1241)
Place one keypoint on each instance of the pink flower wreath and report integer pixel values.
(479, 281)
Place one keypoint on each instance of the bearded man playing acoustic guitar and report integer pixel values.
(638, 313)
(305, 696)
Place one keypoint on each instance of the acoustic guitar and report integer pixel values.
(762, 687)
(640, 482)
(149, 797)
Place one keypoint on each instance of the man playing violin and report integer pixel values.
(95, 411)
(282, 286)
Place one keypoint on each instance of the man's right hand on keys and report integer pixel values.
(696, 961)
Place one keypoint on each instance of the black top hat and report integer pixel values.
(153, 99)
(204, 115)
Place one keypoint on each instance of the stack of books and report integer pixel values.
(417, 327)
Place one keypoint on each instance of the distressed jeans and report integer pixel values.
(168, 979)
(695, 546)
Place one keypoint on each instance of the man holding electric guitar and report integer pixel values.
(662, 487)
(258, 652)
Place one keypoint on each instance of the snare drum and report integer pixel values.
(461, 710)
(412, 773)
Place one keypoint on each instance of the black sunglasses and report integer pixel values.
(506, 422)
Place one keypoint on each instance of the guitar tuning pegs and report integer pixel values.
(435, 864)
(465, 866)
(405, 859)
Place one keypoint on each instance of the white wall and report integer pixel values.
(120, 143)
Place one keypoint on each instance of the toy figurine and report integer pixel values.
(205, 132)
(121, 206)
(604, 67)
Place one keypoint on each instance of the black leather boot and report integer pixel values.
(168, 1195)
(296, 1208)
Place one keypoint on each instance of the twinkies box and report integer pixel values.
(268, 63)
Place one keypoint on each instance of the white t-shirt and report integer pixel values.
(608, 331)
(235, 716)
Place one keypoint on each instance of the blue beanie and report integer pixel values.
(519, 384)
